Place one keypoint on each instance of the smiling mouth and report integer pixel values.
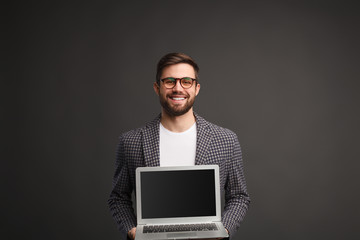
(177, 99)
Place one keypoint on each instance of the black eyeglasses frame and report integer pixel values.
(180, 79)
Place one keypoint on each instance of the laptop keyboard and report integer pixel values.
(180, 228)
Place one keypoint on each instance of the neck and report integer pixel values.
(178, 123)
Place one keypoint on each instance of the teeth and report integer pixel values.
(178, 98)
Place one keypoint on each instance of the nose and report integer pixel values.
(177, 86)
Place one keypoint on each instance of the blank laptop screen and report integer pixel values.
(185, 193)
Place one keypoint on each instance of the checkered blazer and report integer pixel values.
(215, 145)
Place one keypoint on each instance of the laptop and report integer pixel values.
(178, 203)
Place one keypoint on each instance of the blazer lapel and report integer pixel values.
(151, 143)
(203, 140)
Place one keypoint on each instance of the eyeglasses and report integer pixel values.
(185, 82)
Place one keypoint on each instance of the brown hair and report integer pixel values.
(172, 59)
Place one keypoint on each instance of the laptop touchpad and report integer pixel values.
(180, 235)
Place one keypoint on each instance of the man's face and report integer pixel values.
(177, 101)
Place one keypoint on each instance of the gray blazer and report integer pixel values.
(215, 145)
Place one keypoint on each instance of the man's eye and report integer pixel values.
(169, 81)
(186, 81)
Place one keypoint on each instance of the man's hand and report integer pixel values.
(132, 233)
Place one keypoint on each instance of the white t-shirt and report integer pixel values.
(177, 149)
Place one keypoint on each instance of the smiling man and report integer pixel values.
(178, 137)
(177, 99)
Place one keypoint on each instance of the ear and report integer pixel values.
(197, 89)
(156, 88)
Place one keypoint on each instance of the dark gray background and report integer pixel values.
(283, 75)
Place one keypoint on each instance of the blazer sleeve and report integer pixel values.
(237, 199)
(120, 202)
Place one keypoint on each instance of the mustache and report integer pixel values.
(178, 94)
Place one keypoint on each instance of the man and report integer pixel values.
(178, 136)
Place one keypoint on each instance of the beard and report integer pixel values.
(177, 110)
